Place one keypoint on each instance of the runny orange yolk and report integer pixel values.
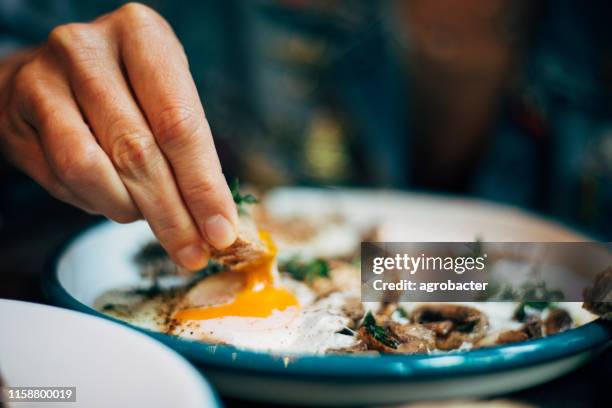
(259, 297)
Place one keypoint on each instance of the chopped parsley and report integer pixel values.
(306, 271)
(379, 333)
(240, 199)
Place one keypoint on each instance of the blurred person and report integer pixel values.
(507, 100)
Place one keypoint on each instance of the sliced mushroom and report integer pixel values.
(453, 324)
(374, 343)
(598, 298)
(531, 329)
(442, 328)
(354, 310)
(558, 320)
(511, 336)
(413, 338)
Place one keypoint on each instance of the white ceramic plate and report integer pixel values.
(109, 364)
(101, 259)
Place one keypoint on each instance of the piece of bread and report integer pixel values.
(250, 247)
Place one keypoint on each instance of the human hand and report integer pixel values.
(106, 116)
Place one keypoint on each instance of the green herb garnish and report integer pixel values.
(240, 199)
(306, 271)
(379, 333)
(541, 298)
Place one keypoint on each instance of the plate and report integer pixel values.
(101, 258)
(110, 365)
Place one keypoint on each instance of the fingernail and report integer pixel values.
(191, 257)
(220, 231)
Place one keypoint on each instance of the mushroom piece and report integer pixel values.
(531, 329)
(453, 324)
(387, 336)
(400, 339)
(558, 320)
(413, 338)
(354, 310)
(598, 298)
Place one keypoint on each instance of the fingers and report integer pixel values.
(19, 142)
(124, 135)
(73, 154)
(160, 77)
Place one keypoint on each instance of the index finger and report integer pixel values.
(159, 74)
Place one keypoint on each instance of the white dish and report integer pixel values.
(109, 364)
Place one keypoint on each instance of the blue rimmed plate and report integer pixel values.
(100, 259)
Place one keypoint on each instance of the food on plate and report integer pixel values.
(292, 285)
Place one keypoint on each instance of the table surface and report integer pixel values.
(27, 243)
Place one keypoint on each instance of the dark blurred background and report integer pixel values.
(502, 99)
(508, 100)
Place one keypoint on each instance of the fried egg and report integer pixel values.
(253, 308)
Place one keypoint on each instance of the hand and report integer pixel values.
(106, 116)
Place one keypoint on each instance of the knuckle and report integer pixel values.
(175, 230)
(66, 35)
(76, 42)
(76, 166)
(138, 12)
(176, 123)
(29, 95)
(26, 78)
(198, 195)
(133, 153)
(135, 18)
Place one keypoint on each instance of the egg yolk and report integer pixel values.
(259, 297)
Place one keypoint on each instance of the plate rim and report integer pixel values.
(595, 335)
